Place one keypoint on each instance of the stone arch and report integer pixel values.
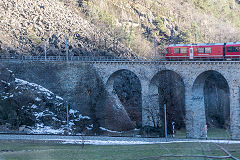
(167, 87)
(206, 103)
(124, 102)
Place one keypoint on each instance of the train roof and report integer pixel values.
(200, 44)
(231, 43)
(203, 44)
(181, 45)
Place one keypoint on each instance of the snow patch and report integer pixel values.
(102, 142)
(72, 111)
(38, 114)
(38, 99)
(36, 86)
(59, 98)
(71, 124)
(5, 82)
(9, 70)
(33, 106)
(83, 117)
(104, 129)
(89, 128)
(5, 97)
(46, 130)
(113, 142)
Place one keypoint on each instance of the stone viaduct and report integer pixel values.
(193, 74)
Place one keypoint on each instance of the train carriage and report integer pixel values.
(232, 50)
(204, 51)
(208, 51)
(178, 51)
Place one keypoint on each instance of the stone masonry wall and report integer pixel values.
(65, 79)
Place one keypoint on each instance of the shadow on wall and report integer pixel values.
(167, 87)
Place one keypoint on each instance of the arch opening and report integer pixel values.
(124, 88)
(213, 94)
(167, 87)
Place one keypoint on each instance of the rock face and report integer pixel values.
(117, 117)
(31, 108)
(31, 27)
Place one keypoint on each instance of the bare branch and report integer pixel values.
(229, 154)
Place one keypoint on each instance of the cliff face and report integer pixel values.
(116, 28)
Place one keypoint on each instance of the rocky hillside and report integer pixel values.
(30, 108)
(26, 26)
(171, 21)
(113, 28)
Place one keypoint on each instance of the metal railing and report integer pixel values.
(77, 58)
(106, 59)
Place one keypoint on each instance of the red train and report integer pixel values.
(212, 51)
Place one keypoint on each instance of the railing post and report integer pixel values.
(66, 47)
(45, 51)
(155, 56)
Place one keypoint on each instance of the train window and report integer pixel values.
(200, 50)
(183, 50)
(208, 50)
(229, 49)
(176, 50)
(233, 49)
(168, 51)
(204, 50)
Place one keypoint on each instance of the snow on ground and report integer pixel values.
(5, 82)
(117, 142)
(40, 129)
(38, 99)
(59, 98)
(33, 106)
(104, 129)
(72, 111)
(103, 140)
(80, 116)
(38, 87)
(100, 142)
(113, 142)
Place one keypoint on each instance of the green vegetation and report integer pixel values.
(21, 150)
(203, 4)
(223, 9)
(130, 36)
(35, 39)
(186, 36)
(160, 24)
(197, 35)
(216, 133)
(213, 133)
(104, 16)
